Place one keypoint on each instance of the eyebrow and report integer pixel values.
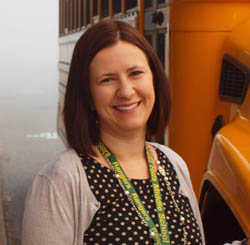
(112, 74)
(135, 67)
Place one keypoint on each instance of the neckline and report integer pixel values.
(131, 179)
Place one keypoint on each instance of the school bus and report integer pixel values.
(204, 46)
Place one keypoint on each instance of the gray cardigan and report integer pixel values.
(60, 205)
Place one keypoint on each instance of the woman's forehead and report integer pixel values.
(121, 53)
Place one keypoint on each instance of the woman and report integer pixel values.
(111, 186)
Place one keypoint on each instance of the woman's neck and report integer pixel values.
(129, 151)
(125, 148)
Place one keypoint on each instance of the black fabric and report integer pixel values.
(117, 222)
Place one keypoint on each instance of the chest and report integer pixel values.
(117, 221)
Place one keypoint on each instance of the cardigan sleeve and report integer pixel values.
(48, 216)
(60, 204)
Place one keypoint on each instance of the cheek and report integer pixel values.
(101, 97)
(151, 96)
(149, 91)
(95, 97)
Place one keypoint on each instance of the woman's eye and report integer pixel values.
(136, 73)
(108, 79)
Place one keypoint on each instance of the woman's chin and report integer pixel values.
(132, 128)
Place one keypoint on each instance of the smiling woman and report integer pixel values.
(121, 74)
(112, 186)
(93, 64)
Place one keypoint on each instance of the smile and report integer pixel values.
(129, 107)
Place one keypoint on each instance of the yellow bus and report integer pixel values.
(204, 46)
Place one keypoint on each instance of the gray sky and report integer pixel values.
(28, 99)
(28, 43)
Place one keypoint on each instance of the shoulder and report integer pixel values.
(64, 175)
(63, 172)
(180, 167)
(174, 158)
(59, 200)
(66, 165)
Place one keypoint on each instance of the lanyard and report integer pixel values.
(159, 239)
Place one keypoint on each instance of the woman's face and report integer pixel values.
(121, 84)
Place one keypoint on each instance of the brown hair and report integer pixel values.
(82, 131)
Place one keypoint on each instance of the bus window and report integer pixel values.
(88, 11)
(117, 6)
(130, 4)
(105, 8)
(95, 8)
(81, 13)
(148, 4)
(161, 1)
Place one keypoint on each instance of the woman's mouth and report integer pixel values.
(127, 107)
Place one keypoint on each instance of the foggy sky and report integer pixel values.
(28, 45)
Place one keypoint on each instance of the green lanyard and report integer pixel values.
(162, 238)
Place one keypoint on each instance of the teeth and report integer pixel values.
(124, 108)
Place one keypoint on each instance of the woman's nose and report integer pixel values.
(125, 89)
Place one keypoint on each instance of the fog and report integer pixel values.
(28, 44)
(28, 102)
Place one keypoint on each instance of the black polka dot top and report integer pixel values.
(117, 222)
